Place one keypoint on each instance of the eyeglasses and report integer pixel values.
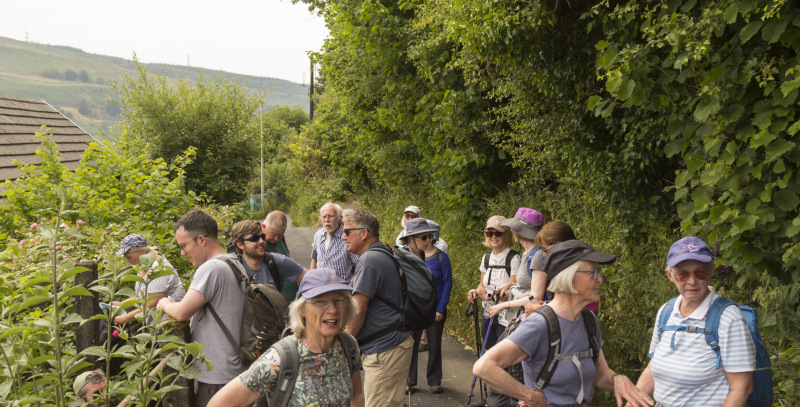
(338, 303)
(682, 276)
(595, 272)
(256, 238)
(183, 245)
(347, 231)
(410, 215)
(424, 237)
(489, 234)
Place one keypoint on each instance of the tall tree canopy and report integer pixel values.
(216, 117)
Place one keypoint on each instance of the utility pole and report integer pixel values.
(311, 95)
(261, 131)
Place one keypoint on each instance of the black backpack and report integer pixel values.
(263, 317)
(509, 258)
(419, 293)
(290, 366)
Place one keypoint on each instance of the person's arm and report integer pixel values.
(358, 391)
(313, 264)
(502, 306)
(503, 289)
(741, 385)
(234, 394)
(362, 302)
(183, 310)
(447, 276)
(300, 277)
(538, 284)
(647, 382)
(151, 303)
(623, 388)
(491, 369)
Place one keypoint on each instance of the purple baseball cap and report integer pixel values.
(526, 222)
(689, 248)
(320, 281)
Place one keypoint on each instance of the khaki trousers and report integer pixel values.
(385, 375)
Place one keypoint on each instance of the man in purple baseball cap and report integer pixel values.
(683, 366)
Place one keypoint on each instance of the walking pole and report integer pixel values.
(474, 378)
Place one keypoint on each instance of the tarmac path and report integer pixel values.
(457, 359)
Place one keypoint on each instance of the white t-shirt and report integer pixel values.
(495, 276)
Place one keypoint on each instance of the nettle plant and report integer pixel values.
(38, 322)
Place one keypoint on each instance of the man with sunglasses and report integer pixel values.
(684, 370)
(250, 243)
(387, 352)
(215, 285)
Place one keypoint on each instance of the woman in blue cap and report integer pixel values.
(317, 317)
(683, 369)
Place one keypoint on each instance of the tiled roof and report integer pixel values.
(20, 120)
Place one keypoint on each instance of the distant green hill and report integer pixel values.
(78, 83)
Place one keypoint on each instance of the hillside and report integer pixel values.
(78, 84)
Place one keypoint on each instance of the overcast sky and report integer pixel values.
(257, 37)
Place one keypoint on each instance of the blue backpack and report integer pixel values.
(762, 376)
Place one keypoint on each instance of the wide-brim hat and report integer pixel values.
(413, 208)
(132, 240)
(527, 222)
(564, 254)
(320, 281)
(419, 226)
(496, 223)
(689, 248)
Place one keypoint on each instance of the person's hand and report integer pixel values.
(123, 319)
(116, 303)
(162, 302)
(439, 316)
(472, 294)
(537, 400)
(497, 308)
(624, 389)
(532, 306)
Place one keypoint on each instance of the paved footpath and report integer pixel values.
(457, 359)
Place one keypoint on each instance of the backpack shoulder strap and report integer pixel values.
(287, 376)
(712, 324)
(509, 259)
(486, 267)
(439, 256)
(554, 348)
(222, 326)
(350, 347)
(591, 330)
(236, 271)
(273, 270)
(669, 306)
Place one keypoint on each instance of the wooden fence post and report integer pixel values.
(87, 334)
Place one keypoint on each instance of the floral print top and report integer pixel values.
(323, 379)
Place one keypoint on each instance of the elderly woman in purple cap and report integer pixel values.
(525, 225)
(317, 318)
(563, 371)
(682, 365)
(132, 248)
(419, 240)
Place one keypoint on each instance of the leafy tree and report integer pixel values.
(216, 117)
(83, 108)
(84, 77)
(294, 117)
(52, 73)
(70, 75)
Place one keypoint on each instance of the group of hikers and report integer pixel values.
(542, 341)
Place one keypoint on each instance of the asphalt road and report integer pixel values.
(457, 359)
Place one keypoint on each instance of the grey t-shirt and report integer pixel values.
(220, 288)
(531, 337)
(537, 263)
(523, 279)
(377, 276)
(288, 269)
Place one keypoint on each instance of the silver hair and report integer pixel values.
(563, 282)
(337, 206)
(298, 324)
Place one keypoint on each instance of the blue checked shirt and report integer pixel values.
(336, 257)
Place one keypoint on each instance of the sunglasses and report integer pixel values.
(256, 238)
(347, 231)
(495, 234)
(595, 272)
(424, 237)
(682, 276)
